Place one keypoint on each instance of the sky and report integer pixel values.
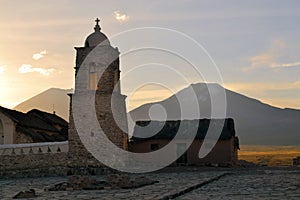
(254, 43)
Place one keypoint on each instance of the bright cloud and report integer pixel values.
(294, 64)
(270, 58)
(2, 69)
(26, 68)
(265, 59)
(40, 55)
(121, 17)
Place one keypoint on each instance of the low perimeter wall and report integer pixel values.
(36, 159)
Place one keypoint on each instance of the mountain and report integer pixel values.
(255, 122)
(53, 99)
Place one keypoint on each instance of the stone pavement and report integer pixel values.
(254, 183)
(251, 184)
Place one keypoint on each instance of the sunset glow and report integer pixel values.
(257, 54)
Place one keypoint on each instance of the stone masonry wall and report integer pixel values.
(35, 159)
(79, 157)
(33, 165)
(107, 98)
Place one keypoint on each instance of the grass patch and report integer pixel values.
(269, 155)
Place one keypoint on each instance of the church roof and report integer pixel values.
(51, 118)
(96, 38)
(169, 129)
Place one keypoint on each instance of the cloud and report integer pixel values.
(269, 59)
(294, 64)
(265, 59)
(120, 17)
(2, 69)
(26, 68)
(40, 55)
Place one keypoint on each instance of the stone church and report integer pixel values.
(104, 89)
(225, 151)
(100, 83)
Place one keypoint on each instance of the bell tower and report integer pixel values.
(101, 77)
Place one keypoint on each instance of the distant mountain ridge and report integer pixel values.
(53, 99)
(255, 122)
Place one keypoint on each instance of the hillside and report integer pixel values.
(47, 100)
(255, 122)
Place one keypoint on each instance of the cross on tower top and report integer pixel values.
(97, 21)
(97, 27)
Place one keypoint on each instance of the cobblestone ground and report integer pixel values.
(169, 183)
(206, 184)
(254, 184)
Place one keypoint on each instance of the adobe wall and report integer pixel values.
(222, 153)
(21, 138)
(8, 128)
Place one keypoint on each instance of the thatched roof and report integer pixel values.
(168, 129)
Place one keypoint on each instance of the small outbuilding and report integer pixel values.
(223, 153)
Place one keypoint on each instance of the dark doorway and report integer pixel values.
(154, 147)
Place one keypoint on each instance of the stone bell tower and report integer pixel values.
(107, 93)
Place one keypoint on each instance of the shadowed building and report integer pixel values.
(32, 127)
(224, 152)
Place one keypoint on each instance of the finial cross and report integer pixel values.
(97, 21)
